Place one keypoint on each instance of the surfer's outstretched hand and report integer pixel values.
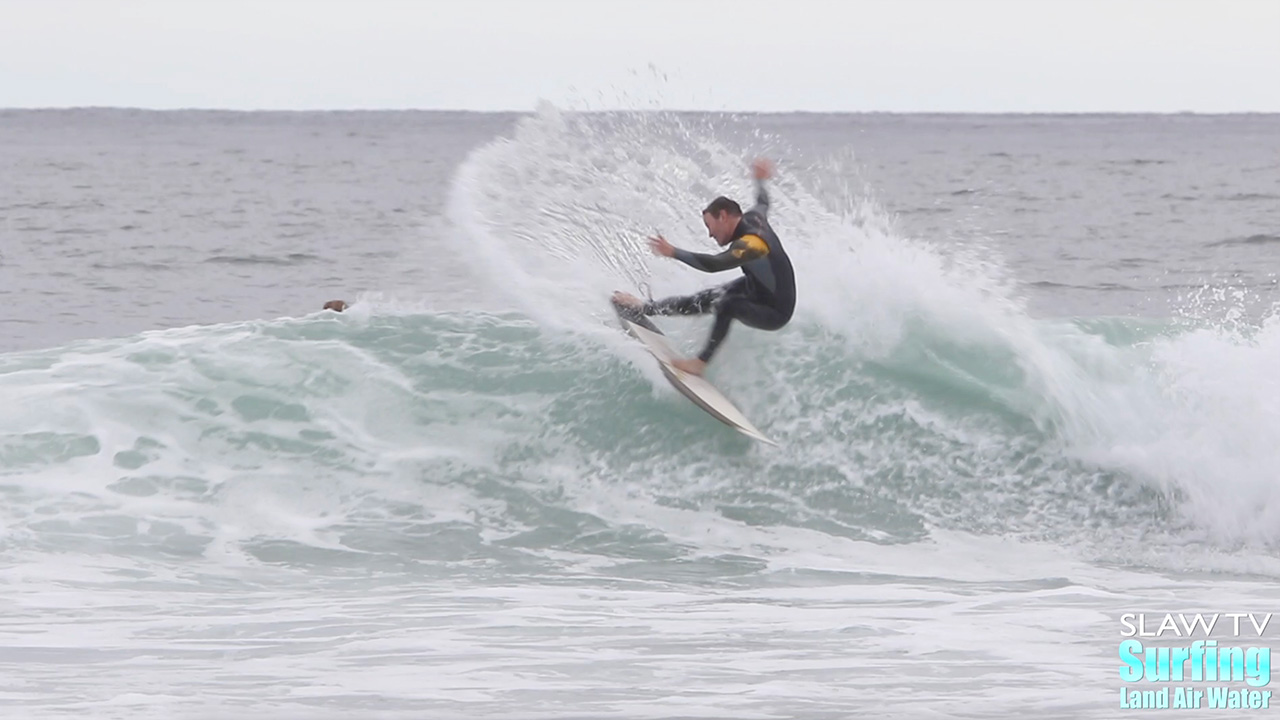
(660, 246)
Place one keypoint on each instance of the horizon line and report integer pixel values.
(140, 108)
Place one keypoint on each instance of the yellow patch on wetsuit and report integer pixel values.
(750, 247)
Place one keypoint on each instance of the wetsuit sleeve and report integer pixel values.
(762, 199)
(740, 252)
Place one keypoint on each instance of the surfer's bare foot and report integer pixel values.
(628, 300)
(693, 366)
(338, 305)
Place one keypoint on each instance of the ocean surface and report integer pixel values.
(1032, 384)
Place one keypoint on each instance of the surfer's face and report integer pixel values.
(720, 226)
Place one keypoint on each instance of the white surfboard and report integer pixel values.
(701, 392)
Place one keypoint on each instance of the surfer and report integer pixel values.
(764, 298)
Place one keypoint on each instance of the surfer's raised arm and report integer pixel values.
(762, 170)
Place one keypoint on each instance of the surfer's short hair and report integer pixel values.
(722, 204)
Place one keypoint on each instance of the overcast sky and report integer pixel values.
(776, 55)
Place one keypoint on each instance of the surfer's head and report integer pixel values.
(721, 218)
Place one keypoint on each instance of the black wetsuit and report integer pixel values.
(764, 298)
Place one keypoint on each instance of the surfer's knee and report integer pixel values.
(757, 315)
